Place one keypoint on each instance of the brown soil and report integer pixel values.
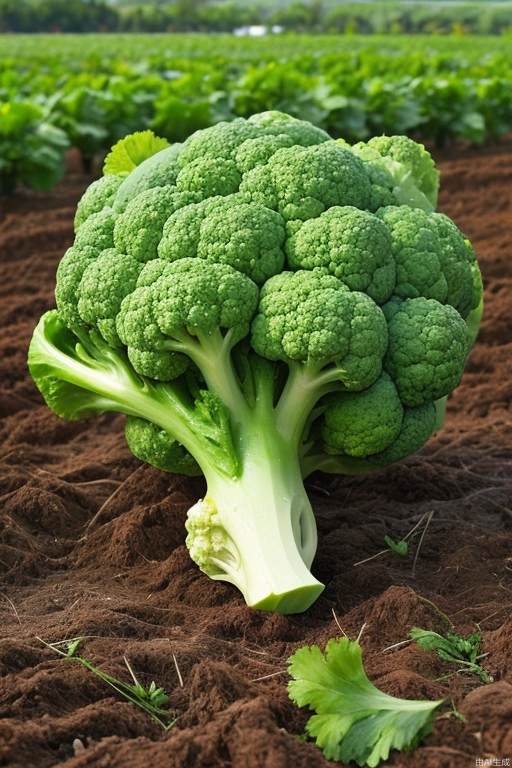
(128, 584)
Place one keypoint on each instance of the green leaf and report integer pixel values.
(149, 700)
(73, 647)
(353, 719)
(398, 547)
(453, 648)
(450, 647)
(131, 151)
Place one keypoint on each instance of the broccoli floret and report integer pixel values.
(155, 446)
(417, 253)
(300, 131)
(363, 423)
(209, 176)
(457, 258)
(105, 283)
(417, 425)
(402, 167)
(218, 142)
(433, 259)
(224, 139)
(248, 237)
(428, 344)
(312, 319)
(138, 230)
(255, 152)
(137, 327)
(160, 366)
(185, 312)
(69, 276)
(226, 230)
(261, 302)
(181, 231)
(100, 194)
(303, 182)
(97, 232)
(352, 245)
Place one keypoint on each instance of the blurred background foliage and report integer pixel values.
(312, 16)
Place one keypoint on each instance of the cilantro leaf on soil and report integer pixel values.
(353, 719)
(454, 649)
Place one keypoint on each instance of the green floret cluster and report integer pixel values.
(262, 302)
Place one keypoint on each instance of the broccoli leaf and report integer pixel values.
(131, 151)
(353, 719)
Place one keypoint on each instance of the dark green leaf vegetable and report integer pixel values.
(353, 719)
(261, 302)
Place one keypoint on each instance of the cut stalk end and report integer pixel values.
(291, 601)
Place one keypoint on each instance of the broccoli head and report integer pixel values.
(261, 302)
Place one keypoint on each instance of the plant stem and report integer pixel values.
(268, 518)
(303, 388)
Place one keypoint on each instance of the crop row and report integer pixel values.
(442, 90)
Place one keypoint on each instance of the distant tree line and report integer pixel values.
(299, 16)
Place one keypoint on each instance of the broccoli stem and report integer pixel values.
(268, 520)
(212, 355)
(79, 376)
(303, 389)
(334, 464)
(440, 406)
(252, 468)
(473, 321)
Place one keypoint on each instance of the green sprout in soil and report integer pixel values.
(455, 649)
(400, 547)
(152, 699)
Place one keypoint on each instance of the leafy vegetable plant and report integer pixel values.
(454, 648)
(31, 148)
(261, 302)
(353, 719)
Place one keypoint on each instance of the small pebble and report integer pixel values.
(78, 747)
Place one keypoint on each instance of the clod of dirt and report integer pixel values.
(488, 711)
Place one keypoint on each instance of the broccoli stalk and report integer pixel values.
(257, 530)
(255, 527)
(80, 375)
(259, 525)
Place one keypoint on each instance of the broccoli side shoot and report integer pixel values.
(261, 302)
